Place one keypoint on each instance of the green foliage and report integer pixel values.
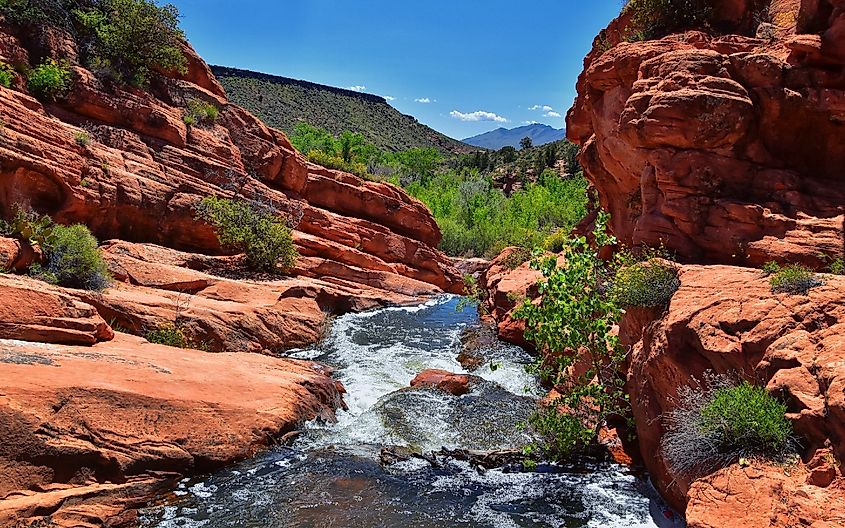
(50, 80)
(331, 161)
(770, 268)
(837, 266)
(747, 417)
(720, 422)
(656, 18)
(793, 279)
(416, 165)
(260, 234)
(563, 433)
(555, 242)
(576, 315)
(526, 143)
(648, 284)
(474, 295)
(516, 258)
(36, 229)
(169, 334)
(7, 75)
(82, 138)
(200, 113)
(478, 219)
(72, 260)
(132, 38)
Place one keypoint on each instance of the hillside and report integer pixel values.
(282, 103)
(503, 137)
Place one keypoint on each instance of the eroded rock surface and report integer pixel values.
(726, 320)
(727, 148)
(91, 431)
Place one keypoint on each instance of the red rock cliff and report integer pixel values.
(726, 148)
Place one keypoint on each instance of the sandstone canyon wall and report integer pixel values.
(728, 148)
(93, 421)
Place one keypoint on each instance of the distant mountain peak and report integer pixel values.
(540, 134)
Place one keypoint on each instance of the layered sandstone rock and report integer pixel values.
(725, 148)
(507, 286)
(90, 432)
(726, 320)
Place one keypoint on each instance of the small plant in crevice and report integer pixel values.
(82, 138)
(474, 294)
(263, 237)
(170, 334)
(835, 264)
(720, 421)
(516, 258)
(200, 113)
(7, 75)
(793, 279)
(50, 80)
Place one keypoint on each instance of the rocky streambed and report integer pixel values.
(333, 474)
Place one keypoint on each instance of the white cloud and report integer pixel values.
(357, 88)
(389, 97)
(423, 100)
(544, 108)
(530, 122)
(478, 115)
(551, 114)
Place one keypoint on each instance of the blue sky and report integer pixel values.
(460, 66)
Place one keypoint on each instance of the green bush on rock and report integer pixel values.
(7, 75)
(719, 422)
(242, 226)
(50, 80)
(72, 260)
(648, 284)
(793, 279)
(657, 18)
(132, 38)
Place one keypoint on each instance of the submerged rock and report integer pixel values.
(486, 418)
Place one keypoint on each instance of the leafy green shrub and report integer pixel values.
(50, 80)
(34, 228)
(656, 18)
(837, 266)
(331, 161)
(770, 268)
(648, 284)
(555, 242)
(516, 258)
(262, 236)
(563, 433)
(7, 75)
(72, 260)
(169, 334)
(132, 38)
(82, 138)
(719, 422)
(575, 314)
(793, 279)
(200, 112)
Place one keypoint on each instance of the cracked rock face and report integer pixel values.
(726, 149)
(726, 320)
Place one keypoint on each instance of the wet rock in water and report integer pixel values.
(429, 419)
(476, 343)
(455, 384)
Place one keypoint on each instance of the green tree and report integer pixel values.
(526, 143)
(417, 164)
(132, 38)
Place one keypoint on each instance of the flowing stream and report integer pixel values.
(332, 475)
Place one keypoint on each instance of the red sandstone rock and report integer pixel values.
(725, 149)
(762, 497)
(95, 429)
(506, 287)
(455, 384)
(726, 320)
(31, 310)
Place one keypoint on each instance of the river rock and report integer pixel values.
(454, 384)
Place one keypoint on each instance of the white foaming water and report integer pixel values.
(377, 353)
(333, 478)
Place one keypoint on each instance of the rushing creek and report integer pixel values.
(332, 475)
